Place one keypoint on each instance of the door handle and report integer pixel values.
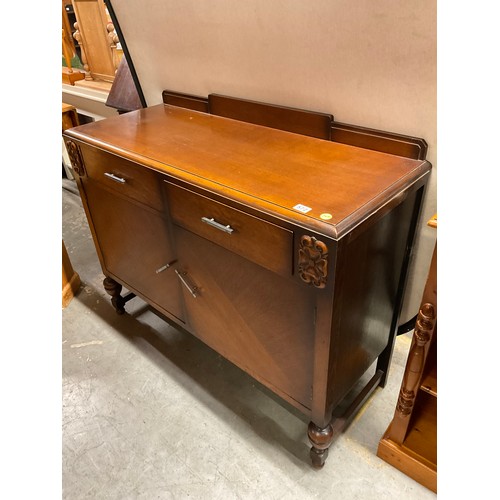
(186, 281)
(164, 267)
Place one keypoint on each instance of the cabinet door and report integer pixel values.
(259, 320)
(135, 246)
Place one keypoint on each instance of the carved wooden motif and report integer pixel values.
(75, 157)
(414, 368)
(313, 261)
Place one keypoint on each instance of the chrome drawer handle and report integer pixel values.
(211, 222)
(193, 289)
(164, 267)
(115, 178)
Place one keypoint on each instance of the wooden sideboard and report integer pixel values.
(410, 442)
(285, 253)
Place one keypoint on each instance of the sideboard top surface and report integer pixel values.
(272, 170)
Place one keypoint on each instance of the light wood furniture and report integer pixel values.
(96, 39)
(285, 253)
(70, 278)
(69, 116)
(69, 75)
(410, 442)
(69, 120)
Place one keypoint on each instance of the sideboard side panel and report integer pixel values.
(369, 268)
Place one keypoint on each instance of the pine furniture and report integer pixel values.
(70, 278)
(410, 442)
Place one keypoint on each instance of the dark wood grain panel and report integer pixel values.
(294, 120)
(134, 246)
(368, 276)
(255, 318)
(187, 101)
(378, 140)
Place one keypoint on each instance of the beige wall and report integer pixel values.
(88, 101)
(368, 62)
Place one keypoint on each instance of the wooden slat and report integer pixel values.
(295, 120)
(378, 140)
(187, 101)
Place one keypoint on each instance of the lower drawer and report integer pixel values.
(259, 241)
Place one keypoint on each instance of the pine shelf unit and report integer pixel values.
(410, 441)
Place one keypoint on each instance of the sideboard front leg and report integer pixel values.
(114, 289)
(321, 438)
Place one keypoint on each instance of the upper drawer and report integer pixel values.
(260, 241)
(123, 176)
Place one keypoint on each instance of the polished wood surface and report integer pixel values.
(287, 254)
(275, 163)
(377, 140)
(255, 318)
(320, 125)
(410, 442)
(283, 118)
(187, 101)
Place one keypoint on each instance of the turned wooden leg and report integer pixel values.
(321, 439)
(113, 288)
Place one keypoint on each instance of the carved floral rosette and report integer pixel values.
(75, 157)
(313, 261)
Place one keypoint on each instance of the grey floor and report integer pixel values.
(152, 413)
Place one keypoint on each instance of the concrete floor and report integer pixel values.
(152, 413)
